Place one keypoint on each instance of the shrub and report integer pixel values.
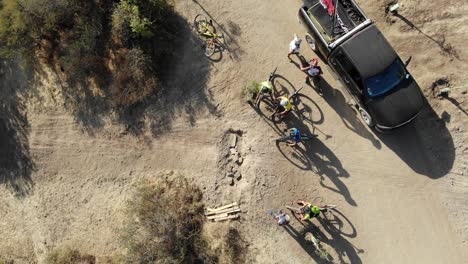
(165, 220)
(250, 91)
(134, 78)
(67, 255)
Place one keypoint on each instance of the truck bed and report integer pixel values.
(346, 17)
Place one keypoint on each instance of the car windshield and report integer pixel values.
(386, 80)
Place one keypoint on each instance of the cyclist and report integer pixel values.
(265, 88)
(295, 135)
(307, 210)
(284, 106)
(311, 69)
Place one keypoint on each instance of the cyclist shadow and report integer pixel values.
(341, 245)
(300, 237)
(325, 163)
(348, 115)
(315, 156)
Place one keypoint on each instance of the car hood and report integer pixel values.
(398, 106)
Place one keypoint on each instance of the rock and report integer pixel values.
(238, 175)
(230, 174)
(231, 181)
(233, 140)
(233, 151)
(240, 160)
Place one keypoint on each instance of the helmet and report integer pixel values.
(313, 62)
(283, 102)
(315, 209)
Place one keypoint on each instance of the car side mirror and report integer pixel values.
(408, 61)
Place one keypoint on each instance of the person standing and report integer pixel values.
(294, 46)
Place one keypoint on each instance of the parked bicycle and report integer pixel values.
(206, 29)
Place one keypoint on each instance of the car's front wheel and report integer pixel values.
(311, 42)
(366, 117)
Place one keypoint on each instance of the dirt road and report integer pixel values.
(397, 201)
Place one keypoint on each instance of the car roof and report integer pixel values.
(369, 51)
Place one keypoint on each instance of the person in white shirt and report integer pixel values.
(294, 46)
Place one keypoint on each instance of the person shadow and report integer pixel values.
(307, 246)
(333, 227)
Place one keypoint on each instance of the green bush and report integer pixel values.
(250, 91)
(165, 220)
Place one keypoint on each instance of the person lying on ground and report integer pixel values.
(265, 88)
(294, 46)
(308, 211)
(284, 106)
(311, 69)
(295, 136)
(282, 218)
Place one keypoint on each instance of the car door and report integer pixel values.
(348, 74)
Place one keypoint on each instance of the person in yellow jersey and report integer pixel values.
(265, 88)
(307, 210)
(284, 106)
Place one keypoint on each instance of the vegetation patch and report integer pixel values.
(165, 223)
(66, 255)
(250, 91)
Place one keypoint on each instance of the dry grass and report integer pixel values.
(165, 220)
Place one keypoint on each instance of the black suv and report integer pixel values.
(362, 60)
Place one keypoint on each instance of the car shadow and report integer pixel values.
(16, 162)
(337, 102)
(425, 144)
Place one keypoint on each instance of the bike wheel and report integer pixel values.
(200, 23)
(210, 47)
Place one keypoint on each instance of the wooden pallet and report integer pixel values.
(222, 213)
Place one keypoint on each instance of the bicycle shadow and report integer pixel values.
(306, 245)
(341, 245)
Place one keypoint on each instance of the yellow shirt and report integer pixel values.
(288, 105)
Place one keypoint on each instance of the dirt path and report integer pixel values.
(396, 202)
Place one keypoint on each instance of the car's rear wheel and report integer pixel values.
(366, 117)
(311, 42)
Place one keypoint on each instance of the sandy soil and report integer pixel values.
(402, 197)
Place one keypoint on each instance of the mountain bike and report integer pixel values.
(323, 209)
(205, 28)
(275, 106)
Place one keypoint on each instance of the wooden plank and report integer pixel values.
(221, 208)
(230, 210)
(217, 216)
(226, 218)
